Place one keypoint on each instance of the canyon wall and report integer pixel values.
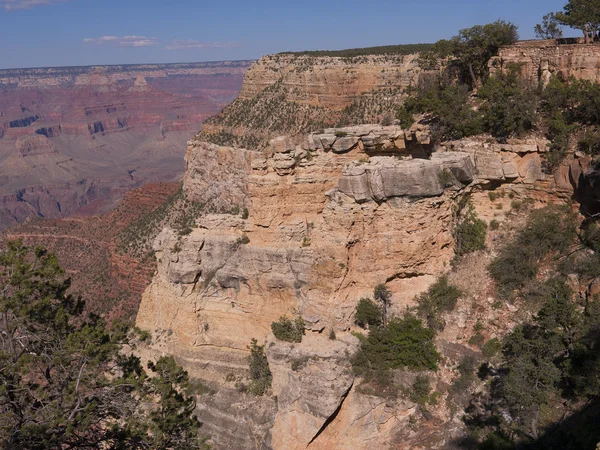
(291, 94)
(329, 216)
(538, 61)
(77, 137)
(308, 216)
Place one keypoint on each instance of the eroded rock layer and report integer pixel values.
(329, 216)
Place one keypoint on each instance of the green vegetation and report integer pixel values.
(402, 343)
(491, 348)
(421, 390)
(549, 230)
(440, 298)
(455, 117)
(368, 313)
(177, 211)
(508, 107)
(260, 374)
(583, 15)
(270, 112)
(286, 330)
(404, 49)
(549, 28)
(66, 383)
(468, 52)
(470, 231)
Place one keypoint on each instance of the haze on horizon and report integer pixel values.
(45, 33)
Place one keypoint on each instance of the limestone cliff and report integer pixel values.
(290, 94)
(538, 61)
(330, 215)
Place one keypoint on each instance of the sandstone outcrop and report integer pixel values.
(330, 82)
(297, 94)
(325, 223)
(538, 61)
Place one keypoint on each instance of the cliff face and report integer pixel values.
(540, 60)
(330, 82)
(306, 220)
(330, 215)
(295, 94)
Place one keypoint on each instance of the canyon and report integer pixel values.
(302, 196)
(73, 140)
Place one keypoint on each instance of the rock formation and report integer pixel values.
(538, 61)
(330, 215)
(307, 217)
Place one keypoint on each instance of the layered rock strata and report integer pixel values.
(538, 61)
(330, 215)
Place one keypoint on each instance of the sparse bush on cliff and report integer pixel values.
(402, 343)
(440, 298)
(405, 49)
(260, 374)
(286, 330)
(368, 313)
(551, 229)
(421, 390)
(469, 231)
(383, 295)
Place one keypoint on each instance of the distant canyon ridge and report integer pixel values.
(73, 140)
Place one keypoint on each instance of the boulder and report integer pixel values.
(530, 168)
(344, 144)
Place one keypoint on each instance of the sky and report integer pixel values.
(42, 33)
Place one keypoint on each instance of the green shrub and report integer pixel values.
(454, 116)
(243, 240)
(441, 297)
(286, 330)
(491, 348)
(509, 107)
(382, 294)
(332, 336)
(477, 340)
(494, 225)
(551, 229)
(466, 369)
(368, 313)
(421, 390)
(260, 374)
(470, 231)
(590, 143)
(402, 343)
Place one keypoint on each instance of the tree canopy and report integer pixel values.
(583, 15)
(66, 381)
(472, 48)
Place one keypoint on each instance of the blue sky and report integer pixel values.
(39, 33)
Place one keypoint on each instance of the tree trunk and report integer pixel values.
(534, 421)
(473, 77)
